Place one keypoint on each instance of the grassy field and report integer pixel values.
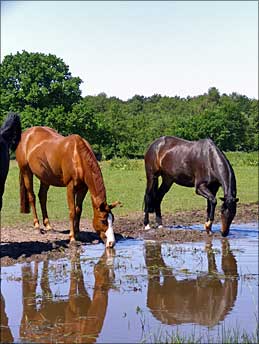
(125, 181)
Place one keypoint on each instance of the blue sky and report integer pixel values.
(125, 48)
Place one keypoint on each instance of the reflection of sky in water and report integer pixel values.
(127, 299)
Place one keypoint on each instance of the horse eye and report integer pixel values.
(223, 207)
(104, 222)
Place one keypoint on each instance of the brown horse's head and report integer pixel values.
(102, 222)
(228, 212)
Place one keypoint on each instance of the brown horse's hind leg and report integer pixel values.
(43, 203)
(80, 195)
(28, 182)
(72, 210)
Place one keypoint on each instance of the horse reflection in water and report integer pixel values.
(76, 320)
(204, 301)
(5, 331)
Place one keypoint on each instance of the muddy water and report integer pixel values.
(138, 292)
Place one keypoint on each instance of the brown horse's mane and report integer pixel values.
(97, 189)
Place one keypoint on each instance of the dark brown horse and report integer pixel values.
(10, 134)
(63, 161)
(198, 164)
(205, 300)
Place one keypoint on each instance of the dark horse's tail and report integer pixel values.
(11, 130)
(24, 199)
(150, 194)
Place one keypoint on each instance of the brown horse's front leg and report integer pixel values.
(79, 198)
(43, 203)
(72, 210)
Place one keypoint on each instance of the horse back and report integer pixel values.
(53, 158)
(186, 162)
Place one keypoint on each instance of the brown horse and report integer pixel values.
(198, 164)
(63, 161)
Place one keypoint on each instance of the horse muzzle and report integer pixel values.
(225, 226)
(110, 238)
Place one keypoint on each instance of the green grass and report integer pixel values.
(226, 336)
(125, 181)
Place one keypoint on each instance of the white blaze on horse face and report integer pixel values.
(110, 242)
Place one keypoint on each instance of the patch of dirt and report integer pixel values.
(23, 243)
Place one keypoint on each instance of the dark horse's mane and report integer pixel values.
(11, 130)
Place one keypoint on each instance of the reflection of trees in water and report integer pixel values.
(205, 300)
(76, 320)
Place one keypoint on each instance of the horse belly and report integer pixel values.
(184, 180)
(46, 173)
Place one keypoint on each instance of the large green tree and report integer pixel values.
(36, 81)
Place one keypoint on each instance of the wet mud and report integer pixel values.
(22, 243)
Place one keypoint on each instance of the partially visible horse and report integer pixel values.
(65, 162)
(10, 134)
(198, 164)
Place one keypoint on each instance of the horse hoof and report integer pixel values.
(224, 234)
(208, 225)
(147, 227)
(160, 226)
(73, 243)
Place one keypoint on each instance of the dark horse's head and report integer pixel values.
(228, 212)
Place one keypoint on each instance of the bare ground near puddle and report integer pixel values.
(22, 243)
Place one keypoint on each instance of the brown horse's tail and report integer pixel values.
(24, 199)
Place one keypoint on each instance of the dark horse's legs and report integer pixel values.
(163, 189)
(209, 193)
(150, 195)
(154, 196)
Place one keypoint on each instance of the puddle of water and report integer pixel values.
(236, 230)
(135, 293)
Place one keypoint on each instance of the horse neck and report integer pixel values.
(228, 180)
(94, 180)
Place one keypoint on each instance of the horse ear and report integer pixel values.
(222, 199)
(114, 204)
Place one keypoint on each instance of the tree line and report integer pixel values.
(41, 88)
